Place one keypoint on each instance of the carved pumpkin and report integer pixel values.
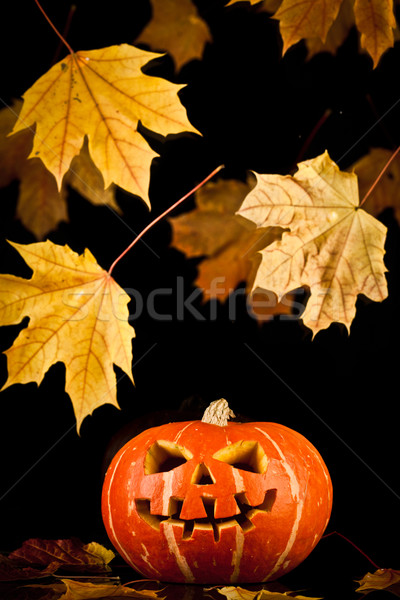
(198, 502)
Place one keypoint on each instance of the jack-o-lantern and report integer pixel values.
(199, 502)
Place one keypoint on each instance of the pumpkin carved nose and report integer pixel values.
(202, 475)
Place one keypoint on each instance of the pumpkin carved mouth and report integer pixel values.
(211, 523)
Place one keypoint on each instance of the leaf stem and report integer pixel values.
(64, 41)
(380, 176)
(162, 215)
(66, 29)
(354, 546)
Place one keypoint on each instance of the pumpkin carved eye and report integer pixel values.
(244, 455)
(164, 456)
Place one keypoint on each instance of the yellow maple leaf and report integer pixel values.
(77, 314)
(102, 94)
(333, 246)
(175, 26)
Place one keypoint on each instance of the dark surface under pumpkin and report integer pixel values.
(201, 503)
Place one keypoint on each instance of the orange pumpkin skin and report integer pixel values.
(206, 520)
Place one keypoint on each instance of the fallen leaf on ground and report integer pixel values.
(102, 94)
(386, 193)
(77, 590)
(11, 571)
(236, 593)
(382, 579)
(70, 589)
(331, 246)
(239, 593)
(77, 314)
(66, 553)
(175, 26)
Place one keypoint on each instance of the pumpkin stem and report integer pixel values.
(218, 413)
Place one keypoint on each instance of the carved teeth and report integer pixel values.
(243, 519)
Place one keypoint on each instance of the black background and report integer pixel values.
(255, 111)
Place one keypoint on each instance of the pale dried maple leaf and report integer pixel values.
(102, 94)
(332, 246)
(239, 593)
(80, 590)
(70, 589)
(77, 314)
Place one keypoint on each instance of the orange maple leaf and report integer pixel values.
(332, 246)
(306, 19)
(77, 314)
(175, 26)
(375, 22)
(103, 94)
(227, 243)
(337, 34)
